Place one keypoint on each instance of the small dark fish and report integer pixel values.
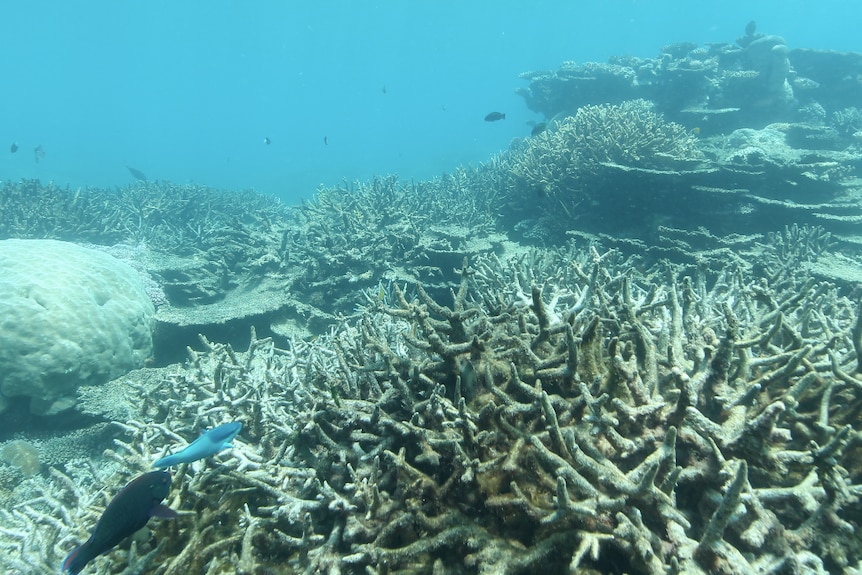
(384, 88)
(139, 175)
(267, 141)
(494, 116)
(127, 512)
(539, 128)
(325, 141)
(39, 152)
(14, 147)
(751, 28)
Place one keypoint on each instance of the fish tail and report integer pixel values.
(76, 561)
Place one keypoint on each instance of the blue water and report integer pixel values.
(189, 90)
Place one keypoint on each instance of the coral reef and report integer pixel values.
(622, 171)
(670, 382)
(355, 237)
(568, 410)
(716, 88)
(776, 132)
(834, 74)
(570, 169)
(219, 262)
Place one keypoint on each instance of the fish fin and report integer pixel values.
(163, 511)
(72, 563)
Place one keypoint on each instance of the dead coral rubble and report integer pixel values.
(565, 412)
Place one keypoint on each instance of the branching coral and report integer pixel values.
(630, 134)
(565, 412)
(354, 236)
(573, 165)
(633, 451)
(165, 216)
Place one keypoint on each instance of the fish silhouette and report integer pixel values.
(209, 443)
(128, 511)
(539, 128)
(751, 28)
(139, 175)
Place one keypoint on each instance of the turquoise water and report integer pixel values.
(188, 91)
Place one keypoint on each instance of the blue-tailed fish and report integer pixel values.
(127, 512)
(209, 443)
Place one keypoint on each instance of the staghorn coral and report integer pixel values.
(186, 219)
(566, 411)
(573, 168)
(355, 236)
(630, 133)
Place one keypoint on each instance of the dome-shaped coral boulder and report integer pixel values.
(69, 316)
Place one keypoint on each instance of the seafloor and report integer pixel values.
(632, 343)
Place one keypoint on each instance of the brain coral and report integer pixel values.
(69, 316)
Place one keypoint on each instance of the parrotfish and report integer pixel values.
(494, 116)
(127, 512)
(209, 443)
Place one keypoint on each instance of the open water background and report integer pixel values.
(188, 91)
